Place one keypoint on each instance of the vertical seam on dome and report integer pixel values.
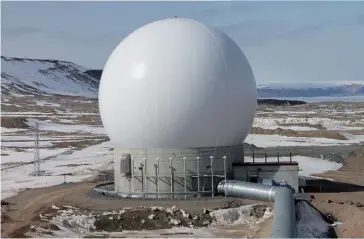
(216, 41)
(218, 45)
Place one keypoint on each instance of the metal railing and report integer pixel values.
(139, 175)
(265, 155)
(109, 191)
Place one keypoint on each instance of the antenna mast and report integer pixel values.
(36, 151)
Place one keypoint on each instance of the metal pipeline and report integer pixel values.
(284, 217)
(246, 190)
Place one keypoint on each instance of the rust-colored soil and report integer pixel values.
(347, 207)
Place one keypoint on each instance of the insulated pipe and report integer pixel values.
(246, 190)
(284, 218)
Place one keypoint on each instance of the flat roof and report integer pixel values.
(266, 163)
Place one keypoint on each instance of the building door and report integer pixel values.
(253, 178)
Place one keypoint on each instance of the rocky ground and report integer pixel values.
(55, 203)
(341, 200)
(345, 202)
(74, 149)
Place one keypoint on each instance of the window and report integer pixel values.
(253, 179)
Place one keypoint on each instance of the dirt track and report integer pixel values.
(24, 209)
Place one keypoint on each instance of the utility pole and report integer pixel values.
(36, 151)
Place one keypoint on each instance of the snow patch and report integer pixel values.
(279, 140)
(46, 126)
(174, 221)
(10, 156)
(353, 137)
(44, 103)
(55, 207)
(238, 216)
(85, 165)
(77, 223)
(307, 165)
(330, 124)
(66, 121)
(12, 130)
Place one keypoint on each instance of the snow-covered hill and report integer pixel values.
(279, 90)
(31, 76)
(298, 90)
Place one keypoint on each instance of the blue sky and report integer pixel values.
(284, 41)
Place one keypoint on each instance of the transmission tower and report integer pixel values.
(36, 151)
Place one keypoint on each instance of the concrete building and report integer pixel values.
(192, 173)
(173, 173)
(269, 173)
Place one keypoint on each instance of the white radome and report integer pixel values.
(177, 83)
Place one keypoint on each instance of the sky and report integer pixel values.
(283, 41)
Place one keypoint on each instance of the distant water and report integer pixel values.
(324, 99)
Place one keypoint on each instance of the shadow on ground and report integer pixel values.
(311, 223)
(327, 186)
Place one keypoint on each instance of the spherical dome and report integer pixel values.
(177, 83)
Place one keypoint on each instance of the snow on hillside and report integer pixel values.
(30, 76)
(307, 85)
(310, 89)
(85, 164)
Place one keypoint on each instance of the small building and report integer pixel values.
(193, 172)
(270, 173)
(173, 173)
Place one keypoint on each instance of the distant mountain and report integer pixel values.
(32, 76)
(281, 90)
(94, 73)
